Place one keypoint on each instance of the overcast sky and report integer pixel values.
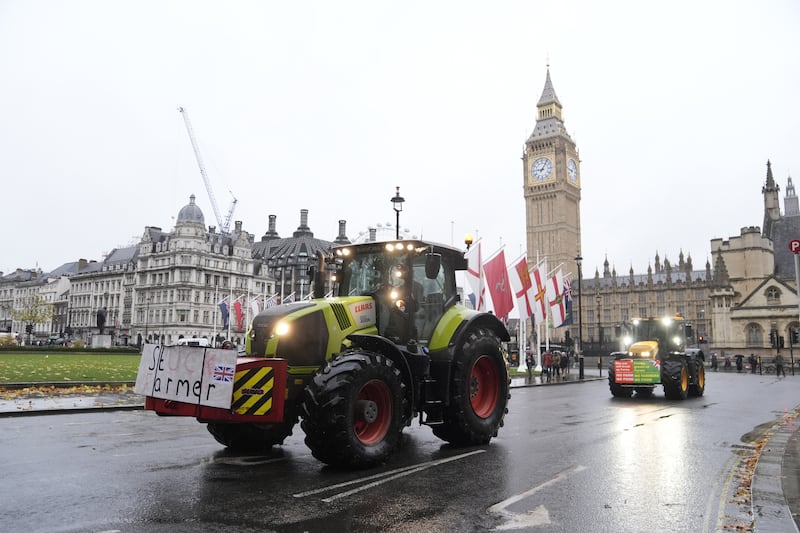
(327, 106)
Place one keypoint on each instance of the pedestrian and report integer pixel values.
(564, 365)
(752, 362)
(714, 363)
(779, 366)
(547, 361)
(557, 365)
(530, 362)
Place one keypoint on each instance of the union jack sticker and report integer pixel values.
(223, 373)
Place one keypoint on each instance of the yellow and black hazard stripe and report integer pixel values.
(252, 391)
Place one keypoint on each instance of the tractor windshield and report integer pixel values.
(366, 273)
(666, 331)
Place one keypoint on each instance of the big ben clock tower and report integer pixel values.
(552, 185)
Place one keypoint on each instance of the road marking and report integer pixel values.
(730, 468)
(384, 477)
(536, 517)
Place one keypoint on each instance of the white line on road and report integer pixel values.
(536, 517)
(383, 477)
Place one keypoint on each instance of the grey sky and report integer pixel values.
(327, 106)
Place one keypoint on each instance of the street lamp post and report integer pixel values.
(599, 338)
(397, 205)
(146, 316)
(578, 261)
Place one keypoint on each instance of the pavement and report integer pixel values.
(775, 485)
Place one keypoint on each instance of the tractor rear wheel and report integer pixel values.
(698, 387)
(248, 436)
(479, 392)
(354, 410)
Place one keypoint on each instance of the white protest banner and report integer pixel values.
(188, 374)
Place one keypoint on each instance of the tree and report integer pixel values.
(34, 310)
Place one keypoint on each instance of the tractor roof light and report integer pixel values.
(282, 328)
(627, 340)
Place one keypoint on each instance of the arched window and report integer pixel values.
(773, 296)
(755, 335)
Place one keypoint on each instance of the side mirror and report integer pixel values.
(433, 263)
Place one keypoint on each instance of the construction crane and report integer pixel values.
(224, 224)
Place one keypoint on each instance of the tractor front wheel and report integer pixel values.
(676, 387)
(249, 437)
(479, 392)
(354, 410)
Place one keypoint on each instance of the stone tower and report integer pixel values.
(552, 187)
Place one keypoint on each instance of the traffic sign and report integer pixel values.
(794, 246)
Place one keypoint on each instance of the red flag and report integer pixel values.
(237, 310)
(498, 284)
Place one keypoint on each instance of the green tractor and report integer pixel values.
(656, 354)
(357, 368)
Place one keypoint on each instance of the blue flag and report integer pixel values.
(223, 308)
(567, 295)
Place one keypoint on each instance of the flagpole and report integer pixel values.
(546, 316)
(521, 351)
(230, 308)
(216, 307)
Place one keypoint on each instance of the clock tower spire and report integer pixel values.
(551, 184)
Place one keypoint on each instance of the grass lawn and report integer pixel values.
(80, 368)
(73, 367)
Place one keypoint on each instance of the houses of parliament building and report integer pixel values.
(745, 291)
(172, 283)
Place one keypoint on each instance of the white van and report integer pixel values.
(192, 342)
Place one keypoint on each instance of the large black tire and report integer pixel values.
(479, 392)
(698, 387)
(676, 389)
(248, 436)
(618, 391)
(354, 410)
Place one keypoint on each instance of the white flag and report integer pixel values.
(555, 291)
(475, 275)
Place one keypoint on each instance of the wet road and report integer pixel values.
(570, 458)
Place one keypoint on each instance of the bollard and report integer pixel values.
(580, 367)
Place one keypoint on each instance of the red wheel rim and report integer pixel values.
(484, 386)
(372, 431)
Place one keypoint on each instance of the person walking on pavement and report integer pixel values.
(557, 365)
(547, 365)
(530, 362)
(714, 362)
(752, 362)
(779, 366)
(564, 365)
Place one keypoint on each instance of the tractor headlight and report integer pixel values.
(646, 354)
(676, 340)
(282, 328)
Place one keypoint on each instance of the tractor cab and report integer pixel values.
(413, 283)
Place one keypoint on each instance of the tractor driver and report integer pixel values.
(398, 304)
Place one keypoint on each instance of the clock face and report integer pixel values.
(541, 168)
(572, 171)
